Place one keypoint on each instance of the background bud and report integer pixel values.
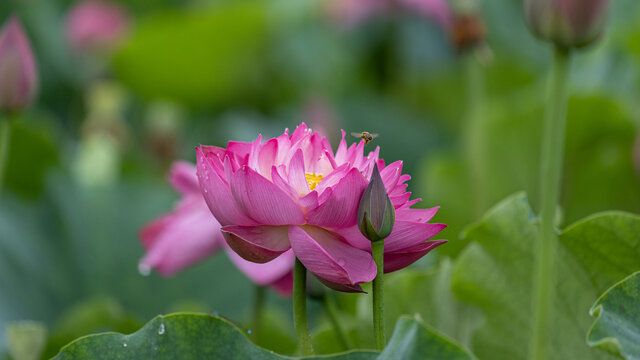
(376, 214)
(18, 75)
(96, 26)
(567, 23)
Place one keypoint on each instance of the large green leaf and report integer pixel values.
(413, 340)
(202, 336)
(495, 274)
(617, 327)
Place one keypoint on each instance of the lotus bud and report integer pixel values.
(376, 214)
(26, 339)
(18, 74)
(567, 23)
(96, 26)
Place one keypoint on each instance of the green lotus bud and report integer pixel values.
(376, 214)
(26, 339)
(567, 23)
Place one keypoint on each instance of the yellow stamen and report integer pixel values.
(313, 180)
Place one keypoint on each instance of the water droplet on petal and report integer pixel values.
(144, 269)
(161, 329)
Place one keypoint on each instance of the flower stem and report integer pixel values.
(377, 249)
(550, 176)
(258, 309)
(5, 138)
(300, 308)
(332, 312)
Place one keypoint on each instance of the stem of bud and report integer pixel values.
(377, 250)
(550, 176)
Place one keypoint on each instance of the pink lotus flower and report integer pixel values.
(190, 234)
(293, 193)
(18, 73)
(96, 25)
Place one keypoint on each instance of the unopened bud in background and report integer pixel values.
(96, 26)
(566, 23)
(376, 215)
(18, 73)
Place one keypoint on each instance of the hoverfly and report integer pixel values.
(365, 135)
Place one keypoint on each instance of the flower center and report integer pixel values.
(313, 180)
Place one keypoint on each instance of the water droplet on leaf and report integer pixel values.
(161, 329)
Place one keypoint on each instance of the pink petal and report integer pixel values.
(267, 157)
(218, 195)
(278, 180)
(390, 175)
(406, 234)
(258, 244)
(183, 178)
(398, 260)
(240, 151)
(284, 285)
(264, 201)
(341, 208)
(333, 178)
(341, 153)
(327, 255)
(354, 237)
(417, 215)
(309, 201)
(266, 273)
(182, 238)
(301, 131)
(297, 177)
(341, 287)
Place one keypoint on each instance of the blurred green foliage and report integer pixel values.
(235, 68)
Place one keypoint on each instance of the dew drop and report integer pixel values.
(124, 345)
(144, 269)
(161, 329)
(341, 262)
(215, 313)
(249, 332)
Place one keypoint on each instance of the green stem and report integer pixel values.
(377, 250)
(332, 312)
(300, 308)
(475, 133)
(258, 310)
(550, 177)
(5, 139)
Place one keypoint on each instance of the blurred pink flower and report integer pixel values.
(350, 13)
(96, 25)
(189, 234)
(293, 193)
(18, 73)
